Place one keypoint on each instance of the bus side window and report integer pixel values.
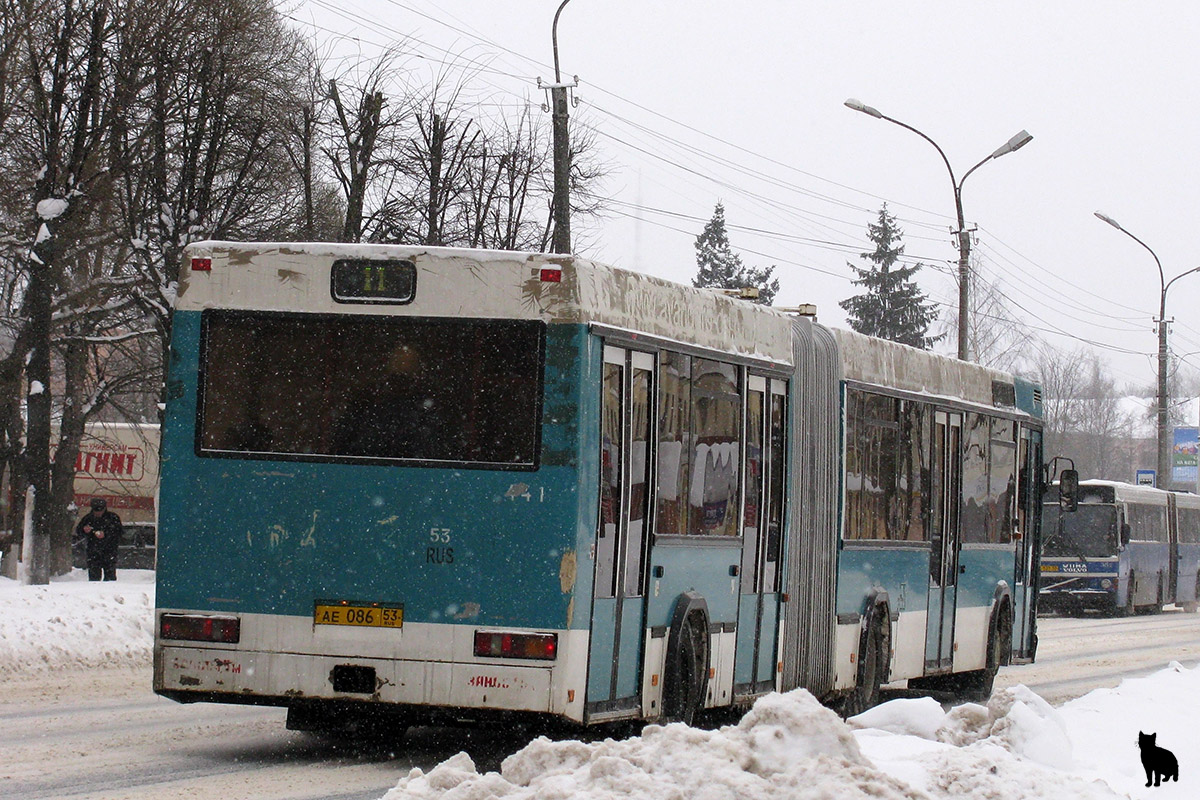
(775, 502)
(752, 509)
(674, 456)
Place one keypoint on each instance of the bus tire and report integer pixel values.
(1130, 609)
(687, 671)
(1191, 606)
(977, 685)
(873, 659)
(1158, 600)
(332, 721)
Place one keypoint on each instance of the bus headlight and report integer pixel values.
(1106, 584)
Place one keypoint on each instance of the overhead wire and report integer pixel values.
(808, 216)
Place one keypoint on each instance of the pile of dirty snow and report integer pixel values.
(790, 747)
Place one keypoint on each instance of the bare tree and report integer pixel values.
(1083, 413)
(363, 137)
(995, 337)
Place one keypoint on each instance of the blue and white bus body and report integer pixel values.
(631, 477)
(949, 588)
(267, 539)
(1117, 552)
(1186, 517)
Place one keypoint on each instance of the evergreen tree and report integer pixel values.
(718, 267)
(892, 307)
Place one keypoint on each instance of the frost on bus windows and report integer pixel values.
(334, 387)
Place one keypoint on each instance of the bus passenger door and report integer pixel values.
(618, 606)
(945, 496)
(1029, 507)
(1172, 550)
(762, 530)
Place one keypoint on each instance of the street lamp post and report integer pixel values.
(1163, 400)
(561, 206)
(964, 237)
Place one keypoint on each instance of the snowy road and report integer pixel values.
(103, 734)
(1078, 655)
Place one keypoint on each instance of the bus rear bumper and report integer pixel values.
(195, 674)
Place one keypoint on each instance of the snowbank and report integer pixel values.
(74, 622)
(790, 747)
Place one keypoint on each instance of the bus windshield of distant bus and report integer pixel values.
(335, 387)
(1090, 531)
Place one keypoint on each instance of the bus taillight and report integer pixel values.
(551, 275)
(502, 644)
(200, 628)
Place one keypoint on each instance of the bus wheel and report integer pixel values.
(334, 722)
(977, 685)
(687, 673)
(1192, 605)
(872, 666)
(1130, 609)
(1158, 600)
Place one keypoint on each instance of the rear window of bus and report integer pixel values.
(334, 387)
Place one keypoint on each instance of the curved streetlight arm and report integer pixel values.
(957, 184)
(1177, 277)
(1018, 140)
(554, 40)
(964, 239)
(972, 169)
(1162, 281)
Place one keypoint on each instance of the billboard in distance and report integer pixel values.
(1185, 457)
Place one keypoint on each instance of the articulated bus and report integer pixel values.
(1126, 549)
(448, 485)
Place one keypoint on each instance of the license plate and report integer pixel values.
(1049, 567)
(364, 615)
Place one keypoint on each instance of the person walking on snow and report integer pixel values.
(102, 530)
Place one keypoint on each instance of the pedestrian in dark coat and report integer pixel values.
(102, 531)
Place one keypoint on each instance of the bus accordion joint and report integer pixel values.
(504, 644)
(200, 628)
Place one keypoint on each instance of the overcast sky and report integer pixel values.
(742, 102)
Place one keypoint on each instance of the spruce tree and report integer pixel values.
(893, 306)
(718, 267)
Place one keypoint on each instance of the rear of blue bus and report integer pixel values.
(369, 486)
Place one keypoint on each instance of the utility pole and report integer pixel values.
(1163, 465)
(1018, 141)
(561, 207)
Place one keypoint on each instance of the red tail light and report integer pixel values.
(503, 644)
(551, 275)
(201, 265)
(200, 628)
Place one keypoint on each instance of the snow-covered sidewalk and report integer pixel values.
(77, 623)
(788, 746)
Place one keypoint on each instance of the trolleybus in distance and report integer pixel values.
(1125, 549)
(471, 485)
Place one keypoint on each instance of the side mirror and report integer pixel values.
(1068, 490)
(1125, 533)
